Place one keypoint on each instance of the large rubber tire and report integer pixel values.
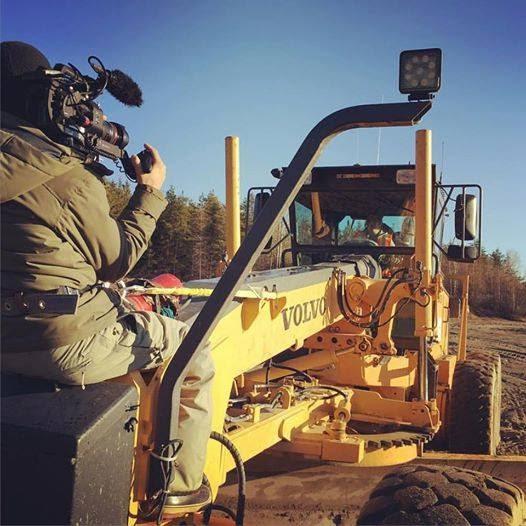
(494, 359)
(474, 409)
(442, 495)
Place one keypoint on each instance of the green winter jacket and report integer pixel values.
(56, 230)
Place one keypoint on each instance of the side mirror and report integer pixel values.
(260, 200)
(467, 223)
(466, 217)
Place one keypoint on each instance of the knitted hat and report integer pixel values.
(17, 59)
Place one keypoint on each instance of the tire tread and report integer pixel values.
(468, 497)
(474, 408)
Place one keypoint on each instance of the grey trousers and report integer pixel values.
(140, 340)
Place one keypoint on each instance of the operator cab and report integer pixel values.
(354, 210)
(349, 210)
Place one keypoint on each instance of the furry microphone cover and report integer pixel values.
(124, 89)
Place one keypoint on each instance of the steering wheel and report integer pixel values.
(361, 242)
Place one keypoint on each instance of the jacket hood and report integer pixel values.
(28, 158)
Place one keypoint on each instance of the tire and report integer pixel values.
(486, 357)
(494, 359)
(442, 495)
(474, 409)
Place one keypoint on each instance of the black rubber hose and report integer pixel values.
(241, 476)
(332, 388)
(307, 377)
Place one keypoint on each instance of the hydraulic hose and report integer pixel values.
(241, 478)
(322, 387)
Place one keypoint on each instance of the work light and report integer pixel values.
(420, 72)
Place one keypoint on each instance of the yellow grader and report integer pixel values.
(341, 354)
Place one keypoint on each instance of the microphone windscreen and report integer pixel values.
(123, 88)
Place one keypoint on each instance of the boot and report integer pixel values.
(191, 501)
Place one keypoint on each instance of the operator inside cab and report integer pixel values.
(375, 217)
(377, 231)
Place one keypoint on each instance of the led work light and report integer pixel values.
(420, 72)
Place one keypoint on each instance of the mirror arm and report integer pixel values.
(463, 240)
(441, 213)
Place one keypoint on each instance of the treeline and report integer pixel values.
(189, 241)
(497, 284)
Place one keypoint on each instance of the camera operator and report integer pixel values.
(59, 243)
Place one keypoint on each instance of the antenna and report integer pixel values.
(442, 162)
(379, 141)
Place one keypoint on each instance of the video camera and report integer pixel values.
(67, 112)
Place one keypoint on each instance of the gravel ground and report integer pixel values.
(507, 338)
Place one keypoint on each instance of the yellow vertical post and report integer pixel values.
(423, 250)
(233, 229)
(424, 227)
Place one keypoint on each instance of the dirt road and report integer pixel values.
(325, 494)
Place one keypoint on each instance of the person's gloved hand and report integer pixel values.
(157, 176)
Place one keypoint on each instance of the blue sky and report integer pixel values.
(268, 71)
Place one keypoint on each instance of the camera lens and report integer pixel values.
(115, 134)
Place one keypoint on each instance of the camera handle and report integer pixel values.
(146, 159)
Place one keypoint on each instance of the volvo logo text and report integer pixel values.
(304, 312)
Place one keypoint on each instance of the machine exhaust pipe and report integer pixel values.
(233, 228)
(423, 250)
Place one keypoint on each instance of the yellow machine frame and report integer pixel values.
(373, 374)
